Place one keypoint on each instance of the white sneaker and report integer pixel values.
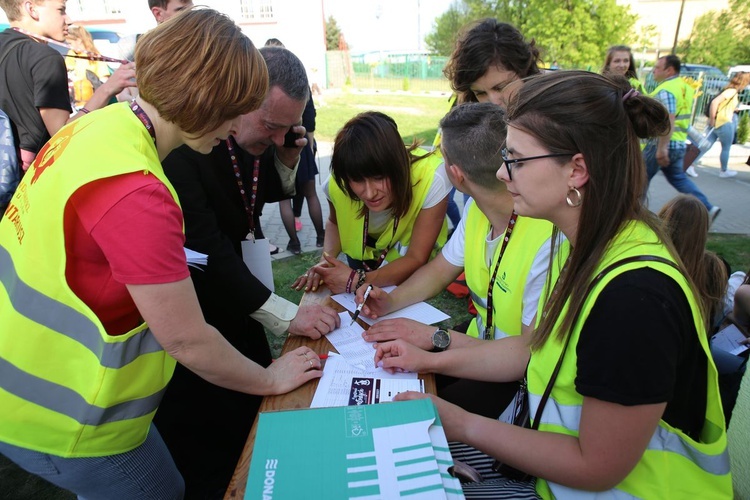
(713, 213)
(691, 171)
(727, 173)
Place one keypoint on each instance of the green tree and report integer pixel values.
(333, 32)
(576, 33)
(720, 38)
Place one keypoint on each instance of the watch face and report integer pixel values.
(441, 339)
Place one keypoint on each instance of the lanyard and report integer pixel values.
(91, 56)
(143, 117)
(385, 251)
(489, 330)
(249, 205)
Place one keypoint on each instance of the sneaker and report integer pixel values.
(691, 171)
(297, 224)
(714, 213)
(727, 173)
(273, 249)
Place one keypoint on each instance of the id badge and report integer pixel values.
(257, 257)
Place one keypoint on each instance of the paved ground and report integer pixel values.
(732, 195)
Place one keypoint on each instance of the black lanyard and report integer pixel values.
(489, 330)
(249, 204)
(143, 117)
(385, 251)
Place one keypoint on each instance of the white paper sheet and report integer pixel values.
(335, 384)
(421, 311)
(257, 257)
(728, 339)
(348, 341)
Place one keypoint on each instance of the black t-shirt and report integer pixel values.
(639, 346)
(32, 76)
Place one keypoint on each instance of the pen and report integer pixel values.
(361, 304)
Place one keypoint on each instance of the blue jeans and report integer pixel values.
(673, 172)
(146, 472)
(454, 215)
(725, 136)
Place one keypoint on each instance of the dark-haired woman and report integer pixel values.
(387, 208)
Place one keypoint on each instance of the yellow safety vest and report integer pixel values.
(683, 94)
(351, 224)
(673, 465)
(507, 296)
(66, 387)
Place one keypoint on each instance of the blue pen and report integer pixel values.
(359, 307)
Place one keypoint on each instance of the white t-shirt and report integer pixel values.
(454, 249)
(439, 189)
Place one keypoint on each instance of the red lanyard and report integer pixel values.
(91, 56)
(489, 330)
(249, 205)
(143, 117)
(385, 251)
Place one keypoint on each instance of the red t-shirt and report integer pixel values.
(122, 230)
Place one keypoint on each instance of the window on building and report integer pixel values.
(256, 10)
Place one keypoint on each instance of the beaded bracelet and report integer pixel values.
(350, 281)
(362, 278)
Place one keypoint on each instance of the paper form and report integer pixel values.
(334, 387)
(421, 311)
(728, 339)
(348, 341)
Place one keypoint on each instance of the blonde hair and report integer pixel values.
(199, 70)
(81, 34)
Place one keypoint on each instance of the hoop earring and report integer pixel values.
(578, 196)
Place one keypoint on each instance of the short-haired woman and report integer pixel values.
(96, 301)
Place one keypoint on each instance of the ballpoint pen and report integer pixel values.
(359, 307)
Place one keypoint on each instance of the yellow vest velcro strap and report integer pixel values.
(477, 299)
(63, 400)
(67, 321)
(663, 440)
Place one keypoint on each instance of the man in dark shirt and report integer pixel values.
(33, 79)
(204, 426)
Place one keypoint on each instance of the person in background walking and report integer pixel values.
(720, 117)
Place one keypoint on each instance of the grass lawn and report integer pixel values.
(417, 114)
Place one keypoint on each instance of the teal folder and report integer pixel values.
(388, 451)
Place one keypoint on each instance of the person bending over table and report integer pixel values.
(95, 297)
(647, 429)
(387, 208)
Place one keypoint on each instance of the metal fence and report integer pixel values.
(386, 71)
(420, 72)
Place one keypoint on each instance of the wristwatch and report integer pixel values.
(441, 339)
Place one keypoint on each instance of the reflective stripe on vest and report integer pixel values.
(482, 303)
(58, 398)
(569, 416)
(69, 322)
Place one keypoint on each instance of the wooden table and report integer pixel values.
(298, 398)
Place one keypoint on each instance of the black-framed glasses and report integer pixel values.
(510, 162)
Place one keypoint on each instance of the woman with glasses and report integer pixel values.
(387, 208)
(623, 399)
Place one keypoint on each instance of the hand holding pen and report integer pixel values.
(361, 304)
(379, 302)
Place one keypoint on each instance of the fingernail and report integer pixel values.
(314, 288)
(379, 364)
